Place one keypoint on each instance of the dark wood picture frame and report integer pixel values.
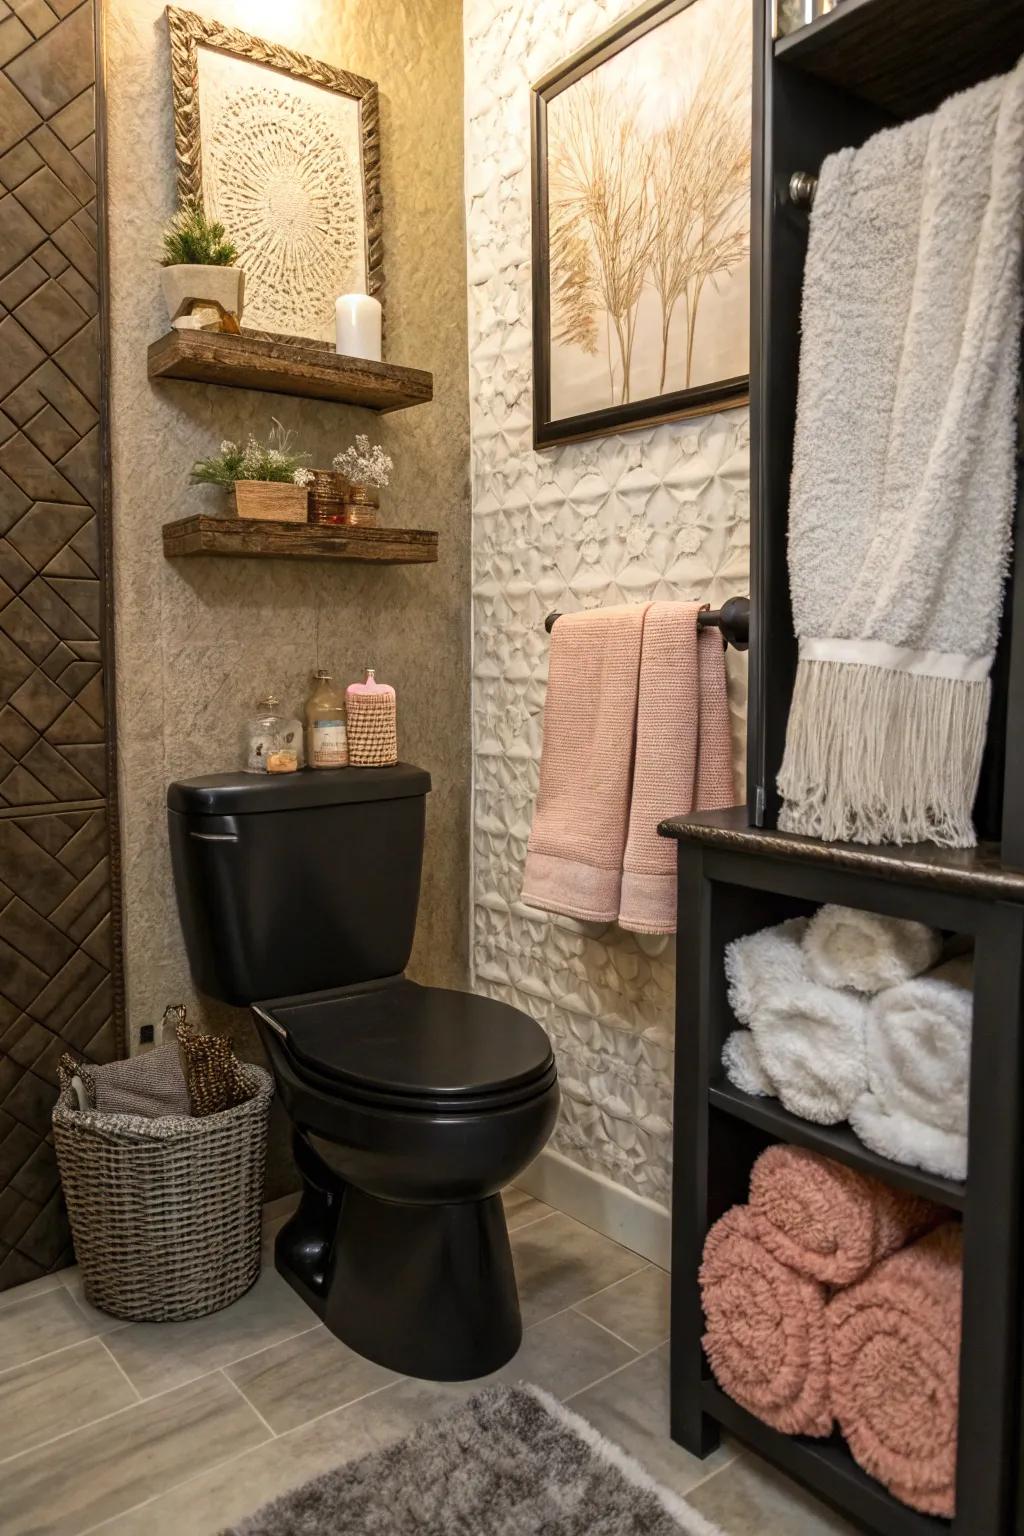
(698, 400)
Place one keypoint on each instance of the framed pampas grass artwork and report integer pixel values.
(283, 150)
(641, 223)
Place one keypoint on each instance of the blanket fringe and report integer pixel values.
(879, 756)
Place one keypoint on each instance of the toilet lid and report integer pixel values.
(425, 1042)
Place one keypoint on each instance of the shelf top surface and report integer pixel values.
(969, 871)
(908, 55)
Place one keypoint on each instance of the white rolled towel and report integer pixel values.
(845, 947)
(743, 1065)
(759, 963)
(811, 1045)
(914, 1109)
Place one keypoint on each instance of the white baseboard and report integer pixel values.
(590, 1197)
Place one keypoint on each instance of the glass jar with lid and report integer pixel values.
(272, 741)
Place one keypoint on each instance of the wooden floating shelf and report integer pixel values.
(249, 539)
(835, 1141)
(287, 367)
(824, 1466)
(906, 56)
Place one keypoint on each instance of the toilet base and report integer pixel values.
(426, 1290)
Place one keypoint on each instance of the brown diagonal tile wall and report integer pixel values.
(55, 879)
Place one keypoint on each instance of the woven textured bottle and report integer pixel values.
(372, 710)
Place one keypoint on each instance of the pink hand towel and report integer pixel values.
(574, 855)
(827, 1221)
(894, 1341)
(766, 1341)
(683, 759)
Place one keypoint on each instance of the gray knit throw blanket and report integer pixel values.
(903, 471)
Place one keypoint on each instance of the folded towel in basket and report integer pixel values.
(150, 1084)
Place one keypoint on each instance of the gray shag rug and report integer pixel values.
(510, 1462)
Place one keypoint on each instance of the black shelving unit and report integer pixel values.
(864, 66)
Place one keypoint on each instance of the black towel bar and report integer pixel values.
(733, 619)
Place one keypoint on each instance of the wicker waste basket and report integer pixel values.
(166, 1212)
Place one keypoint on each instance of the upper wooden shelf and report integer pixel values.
(976, 872)
(298, 541)
(908, 55)
(287, 367)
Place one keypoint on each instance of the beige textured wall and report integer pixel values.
(198, 640)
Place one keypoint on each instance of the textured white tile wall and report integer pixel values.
(661, 513)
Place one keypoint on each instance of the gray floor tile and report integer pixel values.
(306, 1377)
(559, 1262)
(58, 1393)
(521, 1208)
(564, 1354)
(158, 1356)
(224, 1495)
(40, 1324)
(96, 1473)
(749, 1498)
(631, 1408)
(30, 1289)
(635, 1308)
(99, 1321)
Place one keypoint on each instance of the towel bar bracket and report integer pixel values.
(732, 619)
(802, 187)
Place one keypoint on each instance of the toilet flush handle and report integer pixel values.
(215, 837)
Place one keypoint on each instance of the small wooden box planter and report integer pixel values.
(270, 501)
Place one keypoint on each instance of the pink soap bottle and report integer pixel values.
(372, 710)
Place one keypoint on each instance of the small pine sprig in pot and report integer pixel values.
(267, 480)
(192, 239)
(202, 286)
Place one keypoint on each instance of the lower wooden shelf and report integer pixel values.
(836, 1141)
(825, 1467)
(249, 539)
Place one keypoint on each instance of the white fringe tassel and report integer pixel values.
(878, 756)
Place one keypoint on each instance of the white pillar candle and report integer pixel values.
(357, 320)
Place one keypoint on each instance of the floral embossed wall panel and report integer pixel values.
(659, 513)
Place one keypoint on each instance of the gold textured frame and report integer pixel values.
(187, 31)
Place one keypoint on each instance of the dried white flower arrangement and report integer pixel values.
(273, 460)
(363, 465)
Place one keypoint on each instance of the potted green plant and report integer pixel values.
(265, 481)
(198, 270)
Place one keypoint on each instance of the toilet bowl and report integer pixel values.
(410, 1106)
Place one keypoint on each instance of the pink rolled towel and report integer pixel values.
(765, 1341)
(827, 1221)
(894, 1341)
(574, 854)
(683, 757)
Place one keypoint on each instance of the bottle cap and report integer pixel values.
(269, 701)
(322, 676)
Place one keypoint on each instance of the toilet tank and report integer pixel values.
(292, 883)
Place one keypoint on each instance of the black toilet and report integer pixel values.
(411, 1106)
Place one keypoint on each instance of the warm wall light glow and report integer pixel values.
(288, 24)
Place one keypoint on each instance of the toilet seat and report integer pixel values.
(400, 1046)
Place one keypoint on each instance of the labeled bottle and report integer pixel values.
(326, 730)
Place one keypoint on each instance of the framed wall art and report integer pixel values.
(641, 223)
(285, 151)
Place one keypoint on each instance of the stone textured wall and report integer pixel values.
(661, 513)
(198, 640)
(55, 957)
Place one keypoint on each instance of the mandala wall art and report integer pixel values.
(285, 151)
(641, 222)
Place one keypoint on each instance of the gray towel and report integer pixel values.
(903, 471)
(152, 1083)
